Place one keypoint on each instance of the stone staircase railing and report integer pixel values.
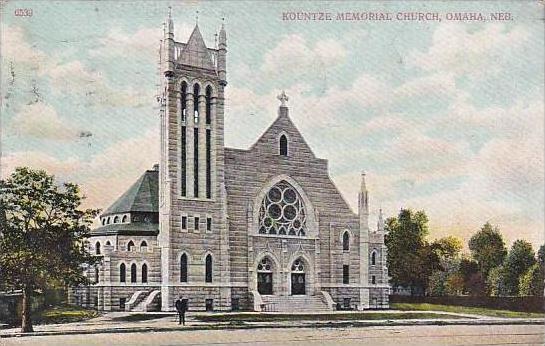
(136, 298)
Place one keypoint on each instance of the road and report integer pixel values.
(410, 335)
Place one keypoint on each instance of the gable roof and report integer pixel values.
(195, 52)
(283, 125)
(142, 196)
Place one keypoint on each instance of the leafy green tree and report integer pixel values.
(488, 248)
(454, 284)
(520, 258)
(474, 284)
(448, 247)
(410, 258)
(531, 282)
(496, 282)
(43, 231)
(541, 256)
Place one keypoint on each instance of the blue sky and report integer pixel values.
(445, 117)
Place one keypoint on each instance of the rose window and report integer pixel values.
(282, 212)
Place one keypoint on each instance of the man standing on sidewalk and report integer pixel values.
(181, 308)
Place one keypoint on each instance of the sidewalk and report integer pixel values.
(108, 323)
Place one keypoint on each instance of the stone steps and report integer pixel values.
(292, 304)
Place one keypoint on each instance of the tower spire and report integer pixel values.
(380, 223)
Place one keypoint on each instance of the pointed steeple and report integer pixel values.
(195, 52)
(222, 52)
(380, 222)
(168, 31)
(363, 186)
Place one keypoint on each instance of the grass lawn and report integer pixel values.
(350, 316)
(63, 314)
(465, 310)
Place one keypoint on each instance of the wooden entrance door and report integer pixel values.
(298, 283)
(265, 283)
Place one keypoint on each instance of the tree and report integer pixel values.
(454, 284)
(448, 247)
(43, 235)
(487, 248)
(474, 284)
(495, 281)
(531, 282)
(410, 261)
(520, 258)
(541, 256)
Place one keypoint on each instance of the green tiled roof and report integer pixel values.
(142, 196)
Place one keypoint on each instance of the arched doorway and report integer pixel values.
(265, 277)
(298, 278)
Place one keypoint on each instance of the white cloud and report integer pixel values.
(456, 49)
(40, 120)
(293, 55)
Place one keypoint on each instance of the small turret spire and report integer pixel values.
(380, 223)
(363, 185)
(170, 21)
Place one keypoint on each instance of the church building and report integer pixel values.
(262, 229)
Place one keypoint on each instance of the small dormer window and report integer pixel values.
(116, 219)
(103, 221)
(124, 219)
(283, 145)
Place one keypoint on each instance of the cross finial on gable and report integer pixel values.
(283, 98)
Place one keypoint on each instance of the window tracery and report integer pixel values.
(282, 212)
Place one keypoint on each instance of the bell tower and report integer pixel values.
(192, 206)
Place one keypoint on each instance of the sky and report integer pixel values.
(445, 117)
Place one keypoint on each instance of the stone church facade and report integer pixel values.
(261, 229)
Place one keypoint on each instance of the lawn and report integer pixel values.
(465, 310)
(350, 316)
(63, 314)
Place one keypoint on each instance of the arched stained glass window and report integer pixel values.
(144, 273)
(346, 241)
(183, 268)
(196, 92)
(208, 105)
(282, 211)
(183, 100)
(208, 274)
(143, 246)
(283, 146)
(374, 258)
(130, 246)
(122, 273)
(133, 272)
(298, 266)
(264, 266)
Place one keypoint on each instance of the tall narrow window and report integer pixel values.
(133, 272)
(184, 222)
(197, 220)
(97, 248)
(97, 275)
(346, 241)
(196, 161)
(196, 92)
(209, 224)
(374, 258)
(283, 145)
(183, 101)
(143, 246)
(208, 274)
(130, 246)
(373, 280)
(122, 272)
(346, 274)
(183, 268)
(144, 273)
(208, 105)
(184, 162)
(208, 165)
